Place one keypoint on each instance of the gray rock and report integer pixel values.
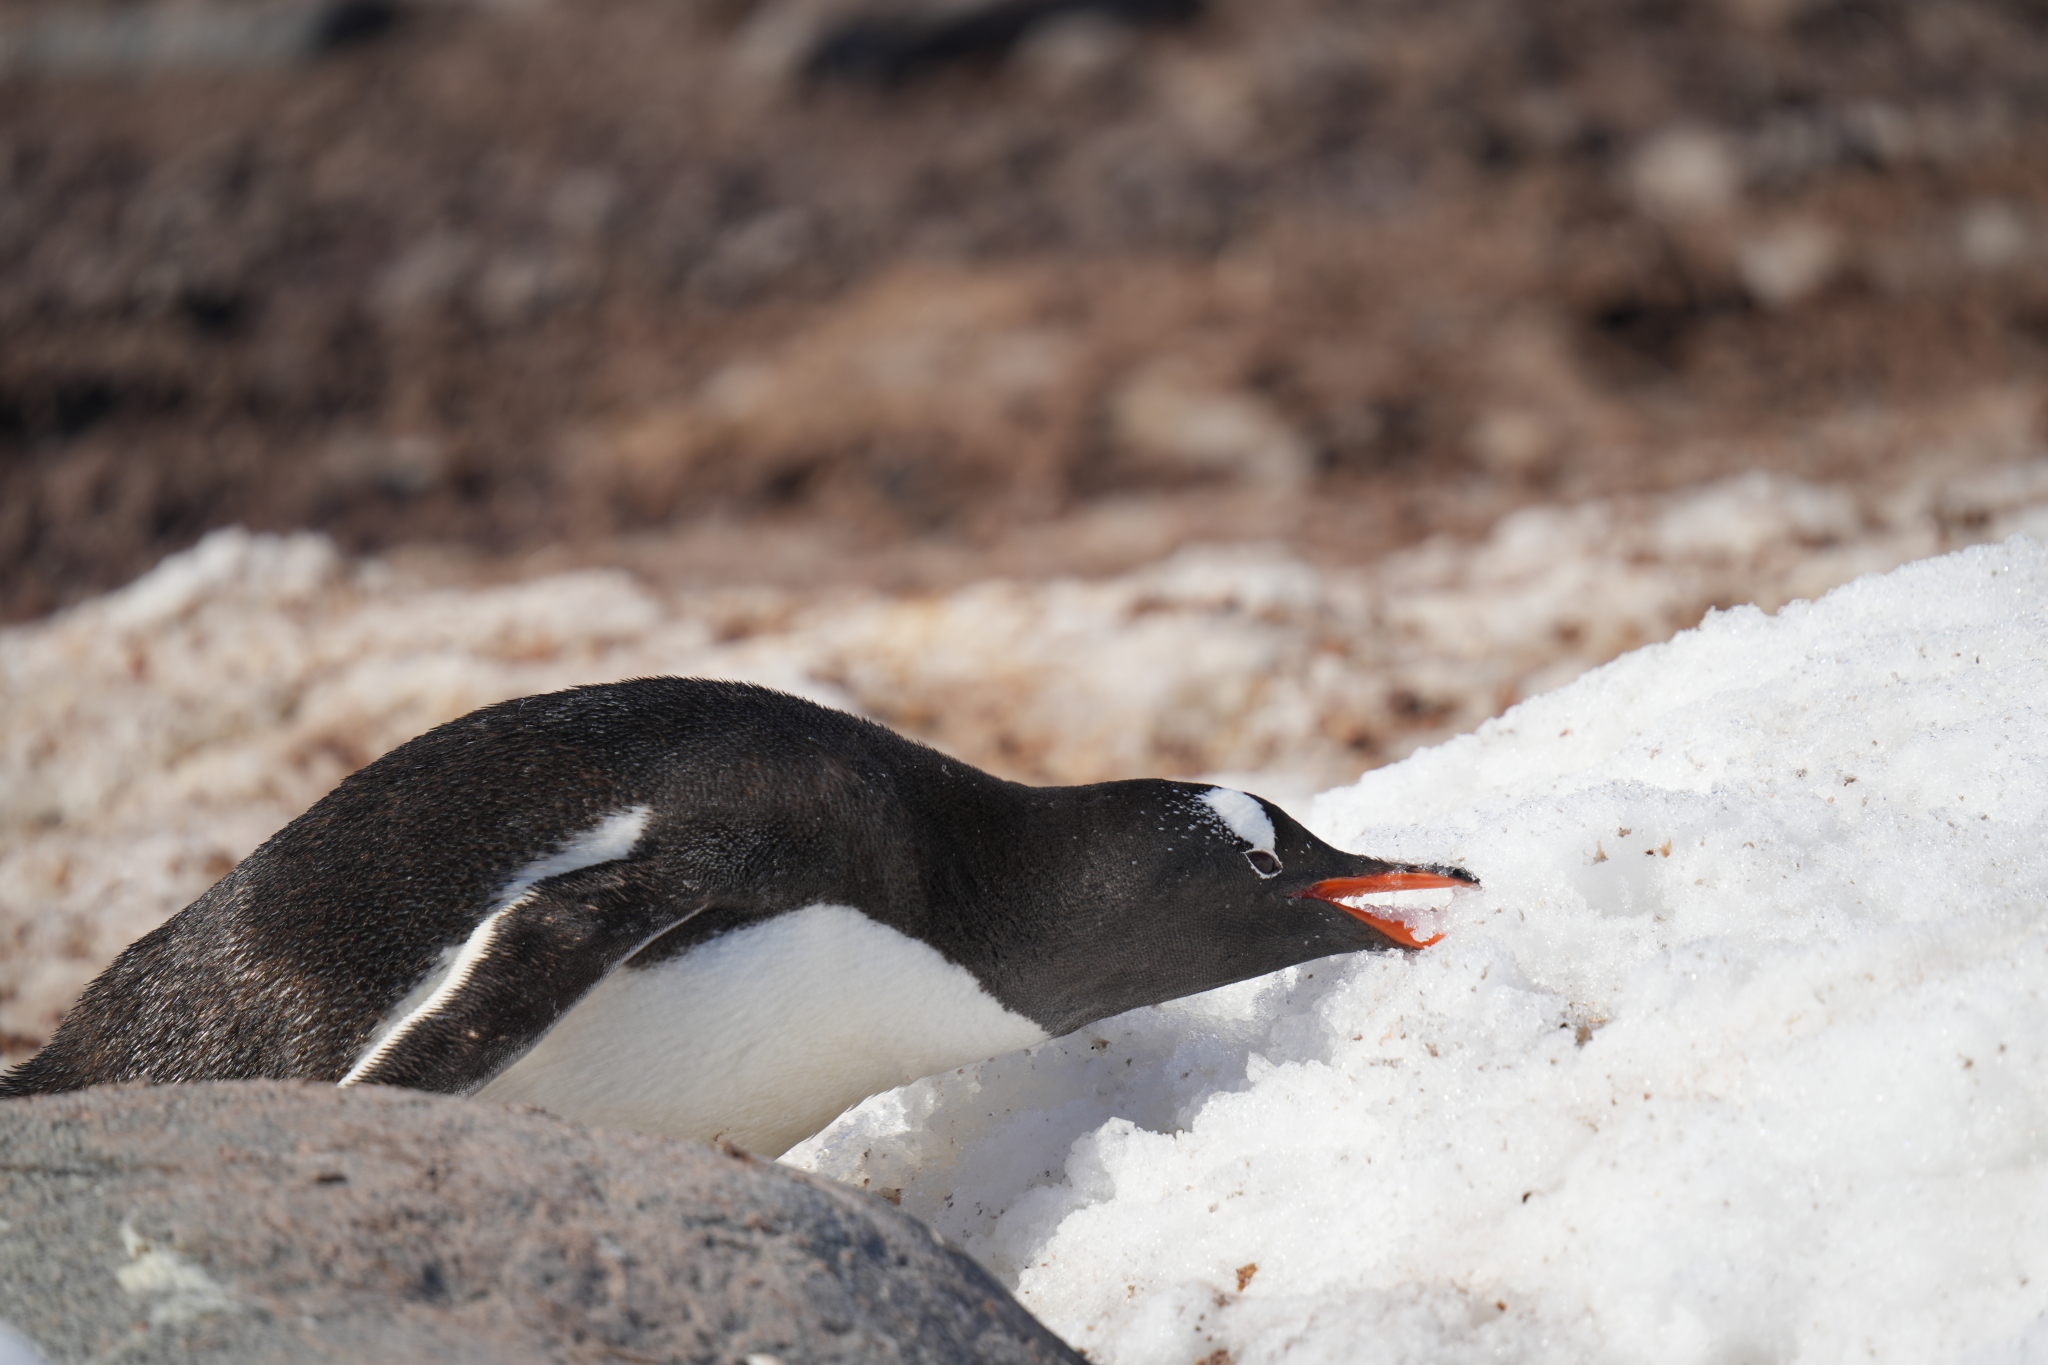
(268, 1221)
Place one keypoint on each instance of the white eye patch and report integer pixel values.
(1243, 816)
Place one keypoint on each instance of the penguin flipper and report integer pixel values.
(520, 971)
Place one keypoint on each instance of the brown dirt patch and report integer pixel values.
(512, 277)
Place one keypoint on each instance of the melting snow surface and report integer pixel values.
(1741, 1053)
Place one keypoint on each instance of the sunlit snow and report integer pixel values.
(1740, 1054)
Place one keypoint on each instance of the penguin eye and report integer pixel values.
(1263, 863)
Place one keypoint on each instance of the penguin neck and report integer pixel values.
(1053, 899)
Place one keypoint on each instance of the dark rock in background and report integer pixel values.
(886, 48)
(266, 1221)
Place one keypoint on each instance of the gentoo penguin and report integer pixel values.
(703, 909)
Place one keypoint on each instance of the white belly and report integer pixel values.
(762, 1036)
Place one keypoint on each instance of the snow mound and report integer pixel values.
(1741, 1052)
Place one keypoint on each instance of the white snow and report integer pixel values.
(1740, 1054)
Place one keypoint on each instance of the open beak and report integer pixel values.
(1337, 889)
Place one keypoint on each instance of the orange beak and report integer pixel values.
(1337, 888)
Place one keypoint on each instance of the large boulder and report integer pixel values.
(268, 1221)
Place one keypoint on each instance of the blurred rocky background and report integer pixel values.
(1094, 389)
(914, 291)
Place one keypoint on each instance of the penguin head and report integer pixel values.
(1188, 887)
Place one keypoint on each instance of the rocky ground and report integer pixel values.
(266, 1221)
(911, 292)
